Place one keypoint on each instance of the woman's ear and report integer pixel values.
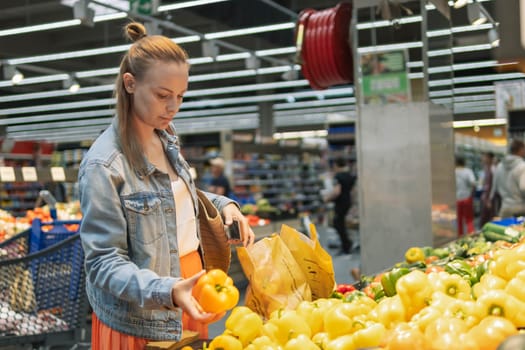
(129, 82)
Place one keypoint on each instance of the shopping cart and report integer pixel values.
(42, 280)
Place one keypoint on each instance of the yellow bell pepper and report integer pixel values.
(465, 310)
(516, 286)
(487, 282)
(390, 311)
(344, 342)
(301, 342)
(345, 318)
(224, 341)
(285, 325)
(500, 303)
(444, 325)
(369, 336)
(244, 324)
(451, 284)
(426, 316)
(406, 337)
(508, 263)
(262, 342)
(491, 331)
(414, 291)
(312, 314)
(321, 339)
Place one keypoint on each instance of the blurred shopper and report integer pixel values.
(465, 187)
(509, 181)
(343, 182)
(139, 231)
(487, 207)
(219, 183)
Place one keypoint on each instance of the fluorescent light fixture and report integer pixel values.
(12, 75)
(71, 84)
(244, 88)
(55, 93)
(300, 134)
(317, 110)
(316, 103)
(475, 14)
(390, 47)
(248, 31)
(233, 56)
(40, 27)
(98, 18)
(385, 23)
(58, 124)
(36, 80)
(57, 116)
(17, 77)
(57, 107)
(479, 122)
(186, 4)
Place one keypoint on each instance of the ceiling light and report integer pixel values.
(13, 74)
(460, 3)
(251, 30)
(479, 122)
(186, 4)
(493, 37)
(475, 15)
(71, 84)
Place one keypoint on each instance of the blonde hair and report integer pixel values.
(142, 54)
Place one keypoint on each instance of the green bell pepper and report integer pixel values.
(389, 279)
(462, 268)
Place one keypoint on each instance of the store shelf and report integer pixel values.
(288, 177)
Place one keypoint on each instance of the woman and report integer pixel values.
(139, 230)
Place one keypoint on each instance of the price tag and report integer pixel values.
(58, 174)
(29, 174)
(7, 174)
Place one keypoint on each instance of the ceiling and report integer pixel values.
(225, 92)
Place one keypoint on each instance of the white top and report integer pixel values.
(186, 220)
(465, 182)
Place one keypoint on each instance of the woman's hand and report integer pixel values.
(182, 297)
(231, 212)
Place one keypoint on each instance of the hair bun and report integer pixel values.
(135, 31)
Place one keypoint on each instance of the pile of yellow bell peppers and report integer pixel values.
(429, 311)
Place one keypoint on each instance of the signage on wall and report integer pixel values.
(143, 7)
(384, 78)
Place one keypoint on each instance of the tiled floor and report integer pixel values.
(327, 236)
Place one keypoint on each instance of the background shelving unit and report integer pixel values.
(287, 177)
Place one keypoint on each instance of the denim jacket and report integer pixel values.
(128, 234)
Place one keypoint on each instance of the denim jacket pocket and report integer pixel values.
(144, 212)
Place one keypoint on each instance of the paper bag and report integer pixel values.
(275, 279)
(314, 261)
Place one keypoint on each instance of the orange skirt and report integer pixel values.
(105, 338)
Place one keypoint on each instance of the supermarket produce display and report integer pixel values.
(465, 295)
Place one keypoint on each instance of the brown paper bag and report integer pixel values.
(275, 279)
(315, 262)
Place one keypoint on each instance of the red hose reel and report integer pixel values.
(323, 42)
